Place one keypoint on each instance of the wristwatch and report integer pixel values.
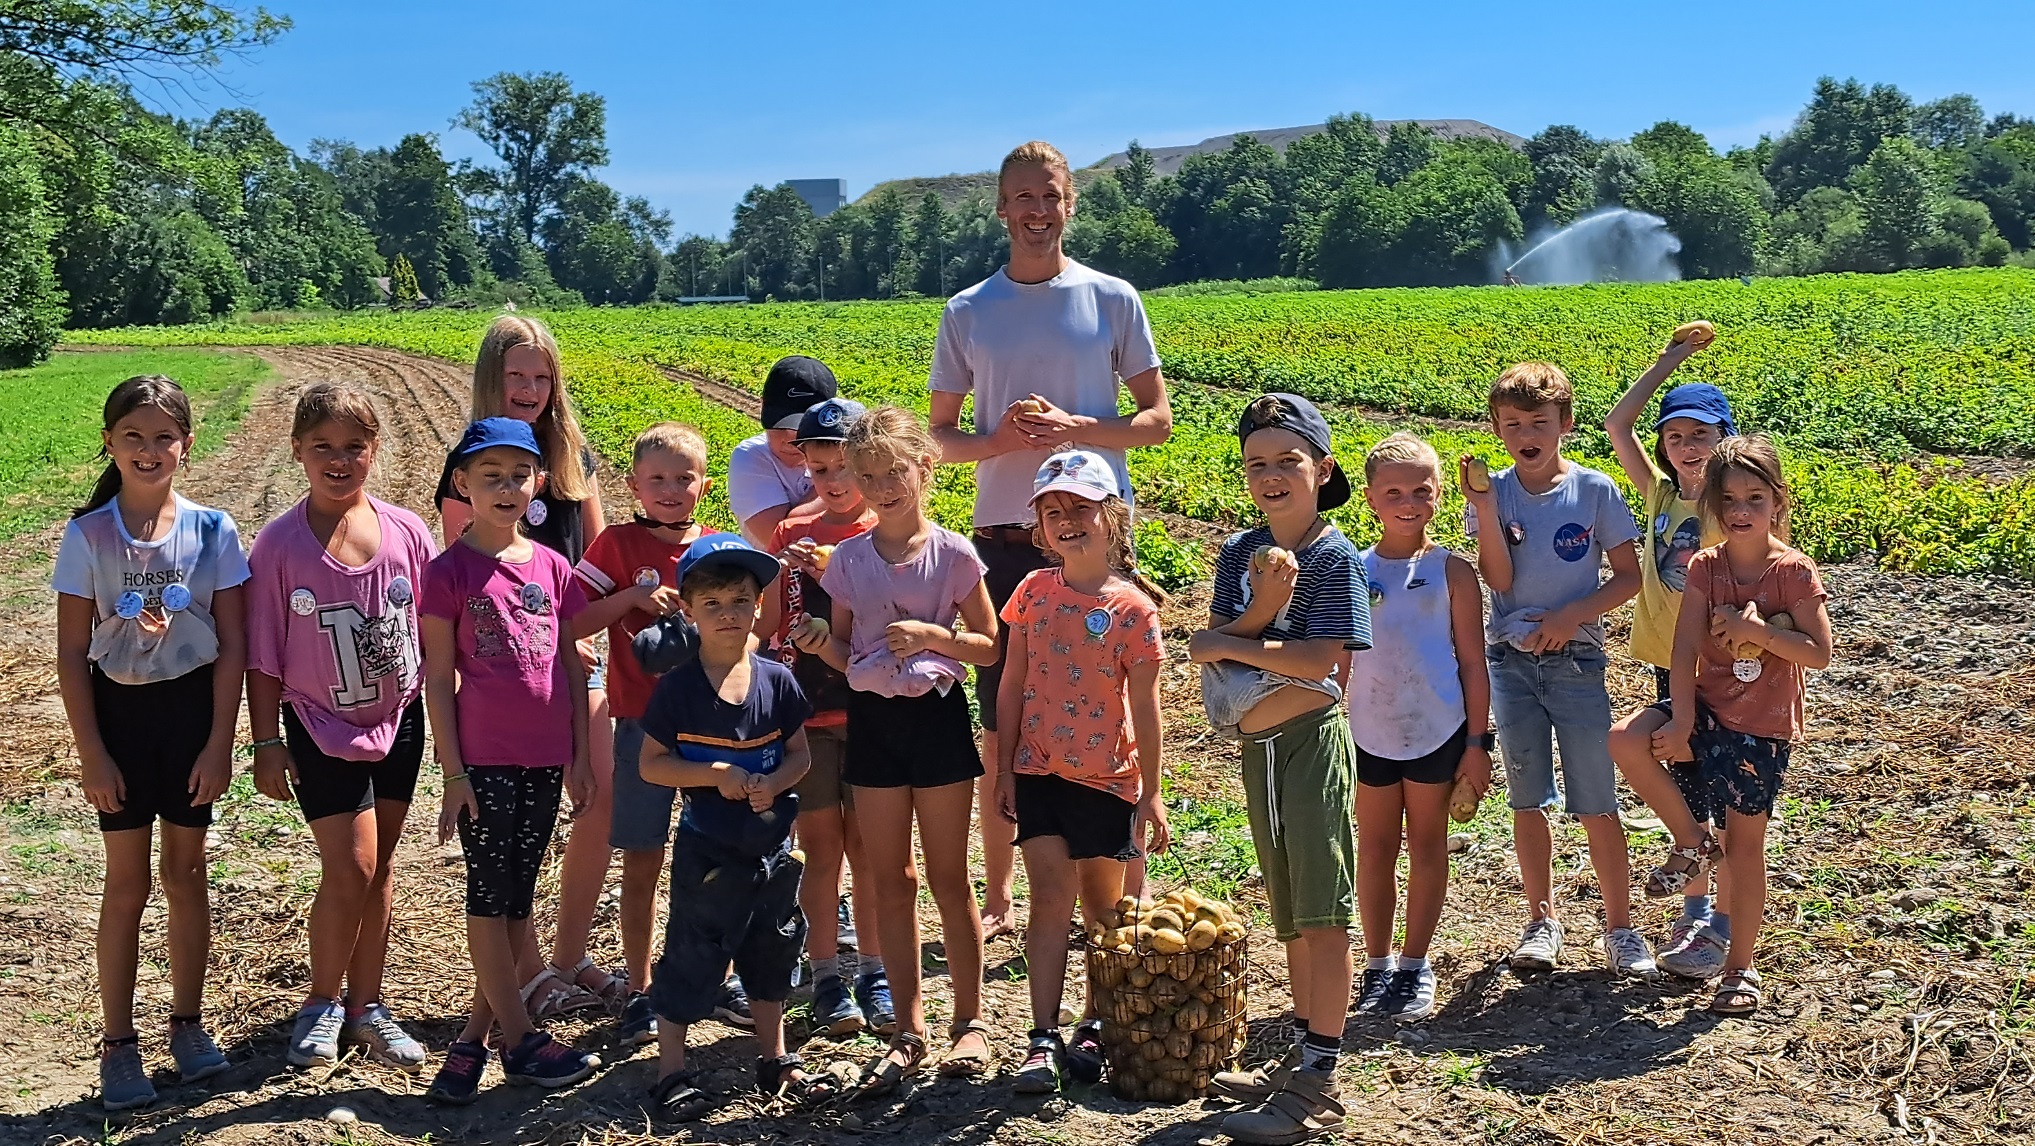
(1488, 741)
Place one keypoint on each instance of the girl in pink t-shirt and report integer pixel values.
(897, 592)
(508, 700)
(1753, 617)
(1079, 703)
(333, 702)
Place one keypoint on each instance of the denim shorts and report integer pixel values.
(727, 907)
(1544, 699)
(597, 675)
(642, 816)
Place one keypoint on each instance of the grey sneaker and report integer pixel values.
(386, 1041)
(1693, 952)
(123, 1081)
(1626, 953)
(1410, 998)
(315, 1038)
(198, 1057)
(1540, 947)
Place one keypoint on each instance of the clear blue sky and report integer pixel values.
(706, 99)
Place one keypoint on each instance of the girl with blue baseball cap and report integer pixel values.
(1693, 418)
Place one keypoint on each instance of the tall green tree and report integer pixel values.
(418, 213)
(1716, 210)
(31, 306)
(1895, 202)
(929, 246)
(1835, 134)
(773, 241)
(1564, 160)
(547, 137)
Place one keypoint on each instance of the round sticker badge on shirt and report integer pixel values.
(537, 512)
(303, 602)
(176, 598)
(647, 578)
(1747, 669)
(534, 598)
(1096, 622)
(400, 594)
(128, 606)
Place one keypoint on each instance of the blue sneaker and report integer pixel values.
(314, 1040)
(732, 1007)
(198, 1057)
(541, 1061)
(1371, 991)
(458, 1080)
(833, 1009)
(872, 994)
(638, 1024)
(123, 1080)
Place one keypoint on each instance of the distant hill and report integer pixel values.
(1167, 160)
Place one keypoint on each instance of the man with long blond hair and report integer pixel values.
(1043, 345)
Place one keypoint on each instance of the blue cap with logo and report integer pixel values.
(487, 433)
(828, 421)
(1700, 402)
(727, 549)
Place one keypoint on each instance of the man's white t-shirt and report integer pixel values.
(758, 481)
(1071, 340)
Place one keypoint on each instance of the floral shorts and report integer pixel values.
(1742, 772)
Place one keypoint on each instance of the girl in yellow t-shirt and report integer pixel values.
(1693, 418)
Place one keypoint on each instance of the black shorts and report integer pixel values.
(727, 907)
(909, 741)
(1437, 767)
(1095, 824)
(1009, 554)
(1743, 772)
(505, 844)
(154, 732)
(1688, 777)
(329, 786)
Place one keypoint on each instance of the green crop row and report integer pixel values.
(1845, 369)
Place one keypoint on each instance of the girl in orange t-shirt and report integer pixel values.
(1079, 773)
(1753, 618)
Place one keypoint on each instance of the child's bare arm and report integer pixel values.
(975, 646)
(1622, 423)
(1010, 698)
(441, 683)
(798, 760)
(660, 765)
(1808, 644)
(101, 778)
(1494, 556)
(1142, 690)
(1466, 628)
(1692, 628)
(1307, 660)
(605, 612)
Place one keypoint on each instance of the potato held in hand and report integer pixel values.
(1031, 406)
(1749, 651)
(1697, 334)
(1268, 556)
(821, 555)
(1477, 475)
(1463, 801)
(810, 628)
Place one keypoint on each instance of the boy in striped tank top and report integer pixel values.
(1420, 714)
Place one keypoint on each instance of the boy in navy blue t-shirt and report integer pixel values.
(727, 731)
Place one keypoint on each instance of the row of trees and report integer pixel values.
(1866, 180)
(114, 214)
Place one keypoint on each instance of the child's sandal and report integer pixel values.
(971, 1063)
(549, 994)
(888, 1074)
(613, 990)
(1738, 994)
(785, 1077)
(675, 1098)
(1683, 867)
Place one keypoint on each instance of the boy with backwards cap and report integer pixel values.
(1291, 599)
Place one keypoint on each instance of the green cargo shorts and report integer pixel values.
(1299, 787)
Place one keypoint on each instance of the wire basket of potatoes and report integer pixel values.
(1167, 977)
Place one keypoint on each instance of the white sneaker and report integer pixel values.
(1540, 947)
(1626, 953)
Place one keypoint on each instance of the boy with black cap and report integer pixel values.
(766, 474)
(1291, 599)
(727, 731)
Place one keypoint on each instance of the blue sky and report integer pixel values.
(705, 100)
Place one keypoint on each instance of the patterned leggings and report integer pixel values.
(505, 844)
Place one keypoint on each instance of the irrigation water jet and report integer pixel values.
(1612, 244)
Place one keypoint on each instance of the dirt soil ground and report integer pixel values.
(1901, 999)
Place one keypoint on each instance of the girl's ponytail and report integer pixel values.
(157, 390)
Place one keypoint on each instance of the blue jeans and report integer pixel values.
(1541, 699)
